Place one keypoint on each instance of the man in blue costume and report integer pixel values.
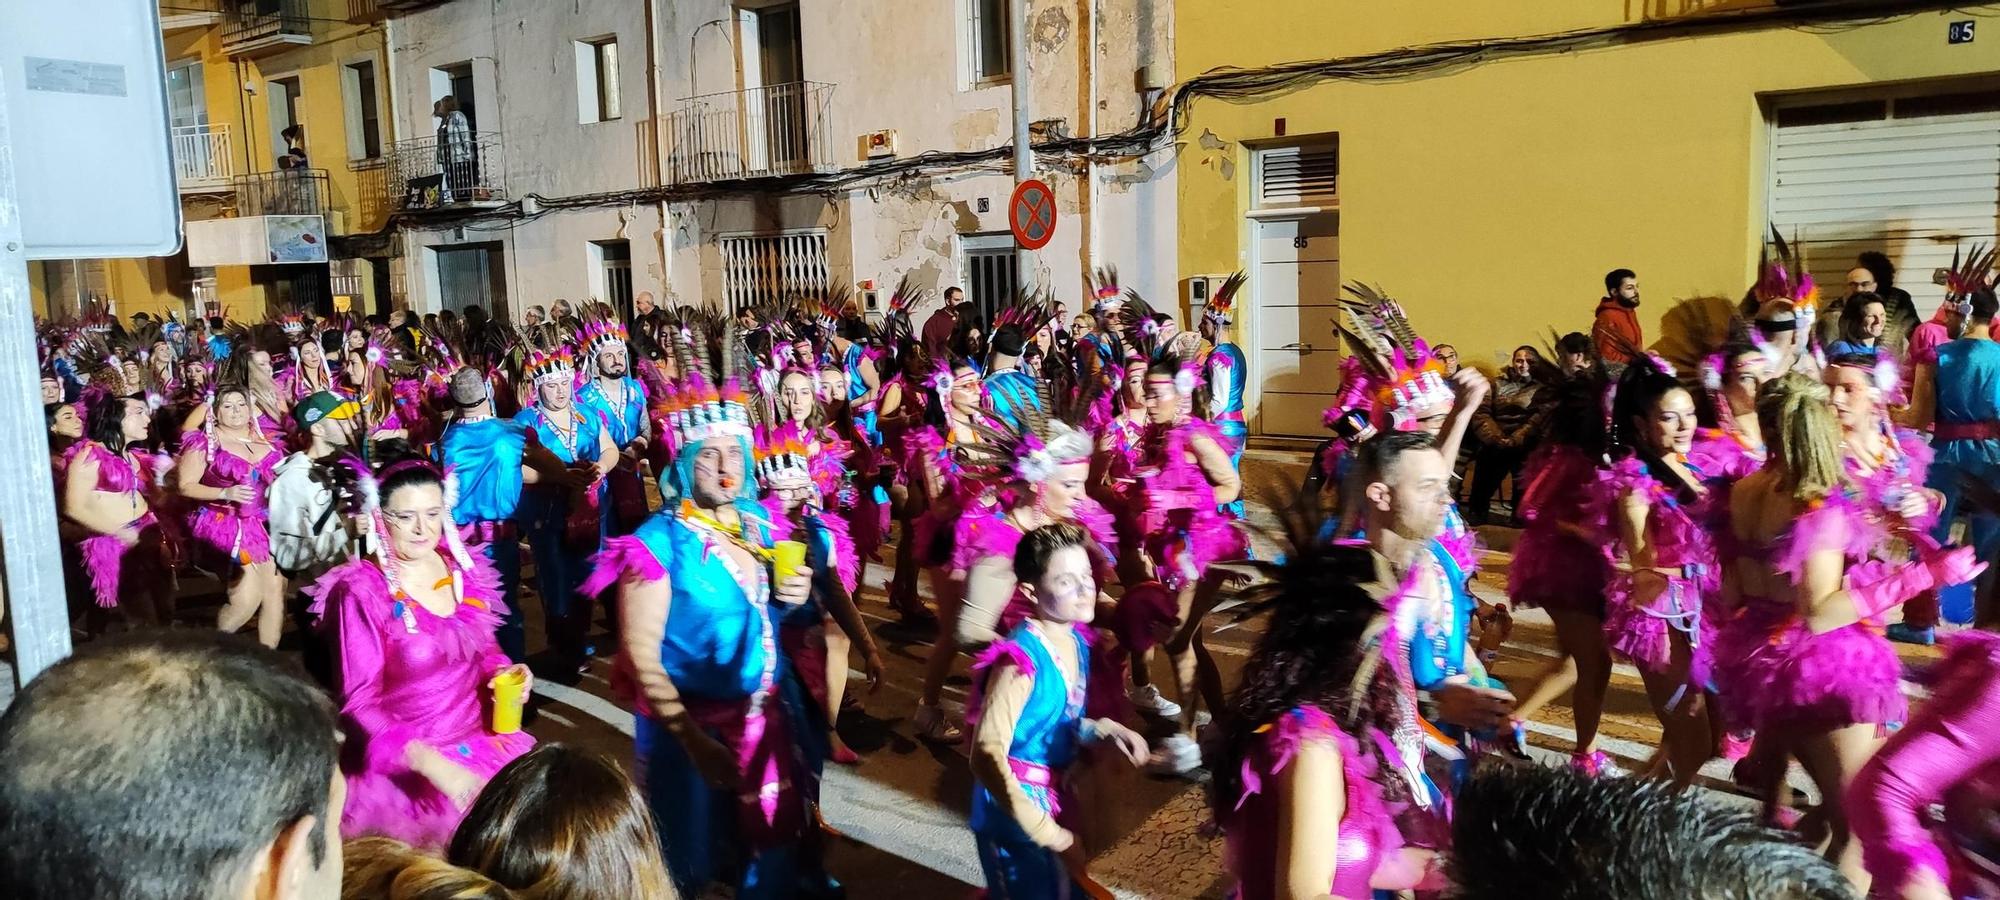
(562, 546)
(494, 458)
(724, 742)
(1009, 390)
(1964, 403)
(1223, 371)
(619, 400)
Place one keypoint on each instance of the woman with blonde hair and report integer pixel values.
(378, 868)
(1825, 684)
(564, 823)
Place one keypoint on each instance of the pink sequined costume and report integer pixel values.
(1368, 836)
(236, 531)
(1560, 560)
(1680, 543)
(408, 675)
(1946, 755)
(118, 572)
(1183, 532)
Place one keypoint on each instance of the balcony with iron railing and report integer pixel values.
(457, 171)
(286, 192)
(203, 162)
(258, 27)
(766, 132)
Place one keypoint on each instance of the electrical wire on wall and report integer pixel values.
(1232, 85)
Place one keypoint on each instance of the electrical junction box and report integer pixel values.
(878, 144)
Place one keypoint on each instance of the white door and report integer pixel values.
(1294, 295)
(1909, 177)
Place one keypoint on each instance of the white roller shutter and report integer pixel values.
(1913, 188)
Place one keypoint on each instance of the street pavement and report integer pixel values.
(900, 812)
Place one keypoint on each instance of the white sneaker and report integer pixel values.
(1147, 700)
(1176, 755)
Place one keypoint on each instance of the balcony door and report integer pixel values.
(773, 102)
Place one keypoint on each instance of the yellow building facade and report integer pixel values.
(1490, 194)
(239, 74)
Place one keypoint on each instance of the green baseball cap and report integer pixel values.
(324, 405)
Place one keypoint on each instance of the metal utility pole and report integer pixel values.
(37, 613)
(1024, 155)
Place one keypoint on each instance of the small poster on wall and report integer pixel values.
(296, 239)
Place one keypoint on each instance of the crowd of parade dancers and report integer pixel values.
(1738, 523)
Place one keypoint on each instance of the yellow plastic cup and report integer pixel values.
(787, 557)
(509, 695)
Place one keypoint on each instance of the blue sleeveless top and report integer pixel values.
(487, 456)
(1046, 733)
(1968, 391)
(1226, 370)
(624, 423)
(548, 505)
(718, 642)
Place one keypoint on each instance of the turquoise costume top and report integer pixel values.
(719, 644)
(864, 418)
(1968, 393)
(1009, 391)
(487, 457)
(1046, 734)
(1224, 371)
(625, 422)
(549, 505)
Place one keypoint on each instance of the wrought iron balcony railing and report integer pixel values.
(254, 27)
(460, 170)
(286, 192)
(766, 132)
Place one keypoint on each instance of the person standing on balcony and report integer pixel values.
(454, 149)
(295, 149)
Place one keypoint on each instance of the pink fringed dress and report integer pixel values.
(1367, 836)
(831, 553)
(1681, 543)
(1183, 531)
(235, 531)
(1555, 565)
(408, 675)
(1946, 756)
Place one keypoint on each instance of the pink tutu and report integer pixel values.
(1820, 682)
(1745, 658)
(1553, 568)
(239, 539)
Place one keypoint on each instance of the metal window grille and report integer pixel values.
(1299, 176)
(765, 268)
(992, 276)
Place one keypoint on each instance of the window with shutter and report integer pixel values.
(1299, 176)
(760, 269)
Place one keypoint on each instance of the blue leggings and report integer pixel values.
(1955, 604)
(1022, 870)
(505, 555)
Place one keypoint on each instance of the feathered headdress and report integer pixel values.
(1784, 283)
(1969, 274)
(1105, 294)
(697, 410)
(781, 456)
(1221, 306)
(601, 332)
(553, 364)
(1400, 376)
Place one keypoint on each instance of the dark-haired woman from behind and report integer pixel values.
(413, 631)
(564, 823)
(1304, 788)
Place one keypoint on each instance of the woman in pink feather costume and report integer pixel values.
(1183, 476)
(855, 496)
(1111, 480)
(906, 417)
(224, 467)
(1946, 755)
(413, 631)
(946, 495)
(1653, 611)
(105, 484)
(1889, 466)
(1826, 684)
(1560, 564)
(818, 635)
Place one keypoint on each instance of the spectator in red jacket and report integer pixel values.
(1617, 332)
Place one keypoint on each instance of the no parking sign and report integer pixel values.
(1031, 212)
